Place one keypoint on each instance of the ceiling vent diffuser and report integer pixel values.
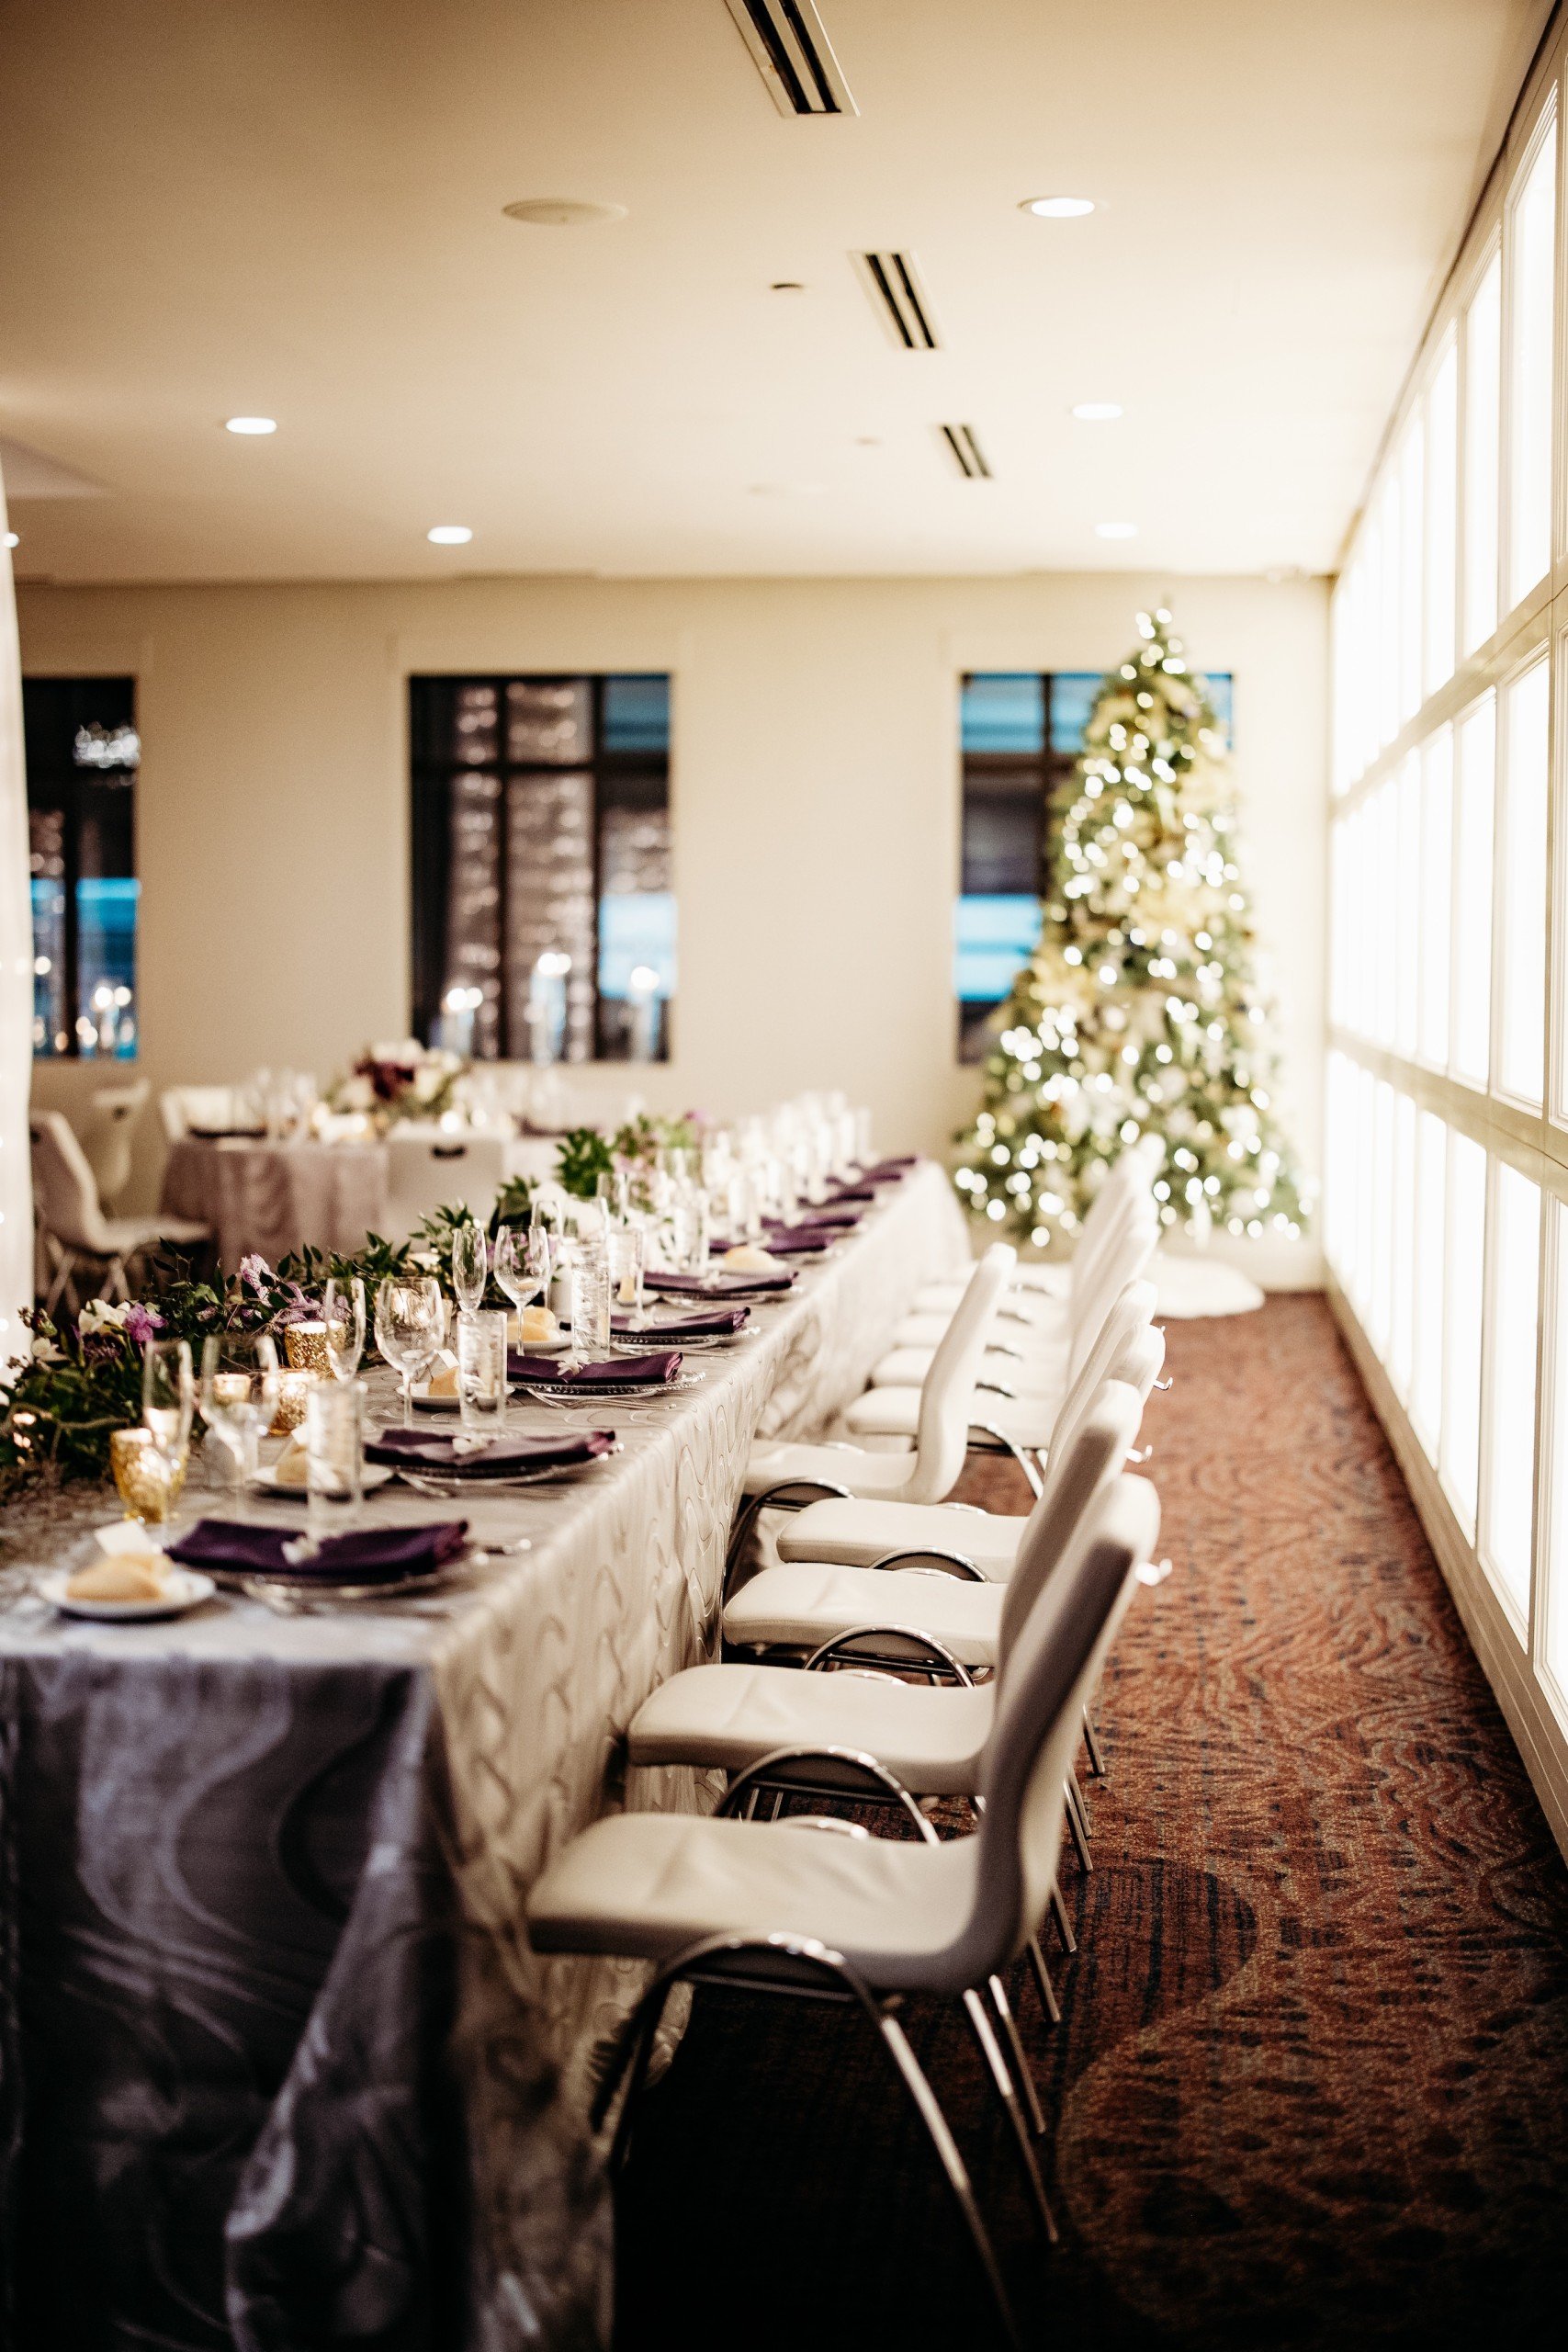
(962, 444)
(793, 56)
(899, 299)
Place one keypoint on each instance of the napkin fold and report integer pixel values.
(829, 1214)
(496, 1456)
(717, 1284)
(842, 1193)
(716, 1325)
(652, 1371)
(369, 1555)
(802, 1240)
(890, 1172)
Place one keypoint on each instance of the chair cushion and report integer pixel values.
(646, 1884)
(1043, 1369)
(857, 1533)
(808, 1602)
(1016, 1315)
(859, 1472)
(732, 1715)
(895, 1413)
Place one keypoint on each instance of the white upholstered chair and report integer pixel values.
(74, 1235)
(111, 1131)
(427, 1169)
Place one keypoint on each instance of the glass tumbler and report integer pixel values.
(626, 1273)
(590, 1303)
(334, 1455)
(481, 1369)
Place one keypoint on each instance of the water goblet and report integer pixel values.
(522, 1255)
(411, 1322)
(238, 1392)
(470, 1267)
(342, 1319)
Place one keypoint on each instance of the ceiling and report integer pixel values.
(296, 209)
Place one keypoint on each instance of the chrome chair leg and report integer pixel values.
(926, 2106)
(1007, 2091)
(1043, 1983)
(1064, 1924)
(1091, 1741)
(1021, 2068)
(1077, 1826)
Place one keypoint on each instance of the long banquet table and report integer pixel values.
(277, 2067)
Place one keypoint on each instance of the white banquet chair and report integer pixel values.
(111, 1131)
(429, 1169)
(74, 1232)
(790, 1477)
(187, 1110)
(784, 1909)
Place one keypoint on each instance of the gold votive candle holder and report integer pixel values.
(147, 1481)
(304, 1345)
(293, 1394)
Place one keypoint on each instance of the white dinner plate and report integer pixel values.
(185, 1589)
(374, 1476)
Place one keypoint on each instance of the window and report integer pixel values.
(1483, 363)
(1436, 893)
(543, 912)
(83, 754)
(1461, 1321)
(1411, 522)
(1556, 1595)
(1471, 934)
(1401, 1320)
(1019, 733)
(1521, 1027)
(1427, 1377)
(1442, 490)
(1514, 1279)
(1533, 224)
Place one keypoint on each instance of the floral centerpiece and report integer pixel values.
(402, 1081)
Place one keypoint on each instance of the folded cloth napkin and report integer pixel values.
(650, 1371)
(716, 1325)
(829, 1214)
(371, 1555)
(889, 1171)
(497, 1455)
(843, 1193)
(801, 1241)
(719, 1284)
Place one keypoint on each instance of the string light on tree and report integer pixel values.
(1139, 1012)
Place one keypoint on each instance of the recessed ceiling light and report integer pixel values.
(561, 212)
(1097, 412)
(1116, 530)
(12, 538)
(251, 424)
(449, 534)
(1057, 207)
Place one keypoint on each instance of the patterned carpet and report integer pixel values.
(1311, 2088)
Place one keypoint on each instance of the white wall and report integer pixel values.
(816, 804)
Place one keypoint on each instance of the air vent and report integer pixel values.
(962, 444)
(793, 56)
(899, 299)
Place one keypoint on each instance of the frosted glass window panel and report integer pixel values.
(1401, 1226)
(1427, 1374)
(1556, 1588)
(550, 901)
(1514, 1278)
(1344, 688)
(1463, 1260)
(1381, 1289)
(1442, 516)
(1383, 934)
(1406, 886)
(549, 720)
(1436, 896)
(1521, 1039)
(1533, 234)
(1390, 584)
(473, 893)
(1483, 369)
(1340, 1167)
(1471, 932)
(1412, 534)
(476, 725)
(1364, 1180)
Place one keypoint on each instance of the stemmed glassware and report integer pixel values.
(168, 1406)
(240, 1381)
(523, 1256)
(343, 1317)
(470, 1267)
(410, 1323)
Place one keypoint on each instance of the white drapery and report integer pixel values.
(16, 983)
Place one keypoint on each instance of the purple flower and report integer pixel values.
(141, 1324)
(254, 1272)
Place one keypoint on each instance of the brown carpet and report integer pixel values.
(1311, 2082)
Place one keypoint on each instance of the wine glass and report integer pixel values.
(470, 1267)
(411, 1322)
(343, 1317)
(523, 1263)
(239, 1397)
(168, 1405)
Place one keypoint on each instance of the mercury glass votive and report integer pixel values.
(148, 1482)
(293, 1395)
(304, 1345)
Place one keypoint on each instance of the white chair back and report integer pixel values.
(1092, 1456)
(110, 1135)
(427, 1169)
(210, 1109)
(63, 1192)
(1122, 1263)
(947, 1395)
(1127, 1182)
(1128, 1313)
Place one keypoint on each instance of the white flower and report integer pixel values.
(99, 1316)
(44, 1350)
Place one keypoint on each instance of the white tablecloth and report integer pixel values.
(516, 1688)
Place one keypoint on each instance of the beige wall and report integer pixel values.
(816, 797)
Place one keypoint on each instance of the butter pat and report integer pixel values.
(442, 1381)
(293, 1465)
(748, 1258)
(536, 1324)
(134, 1568)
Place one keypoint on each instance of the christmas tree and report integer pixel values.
(1138, 1013)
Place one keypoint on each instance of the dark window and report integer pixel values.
(82, 755)
(1021, 733)
(542, 899)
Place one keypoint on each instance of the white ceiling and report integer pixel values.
(295, 209)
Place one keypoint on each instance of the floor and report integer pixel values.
(1312, 2083)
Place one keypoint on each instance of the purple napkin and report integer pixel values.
(373, 1555)
(721, 1284)
(652, 1370)
(862, 1192)
(719, 1325)
(890, 1172)
(500, 1455)
(801, 1241)
(831, 1214)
